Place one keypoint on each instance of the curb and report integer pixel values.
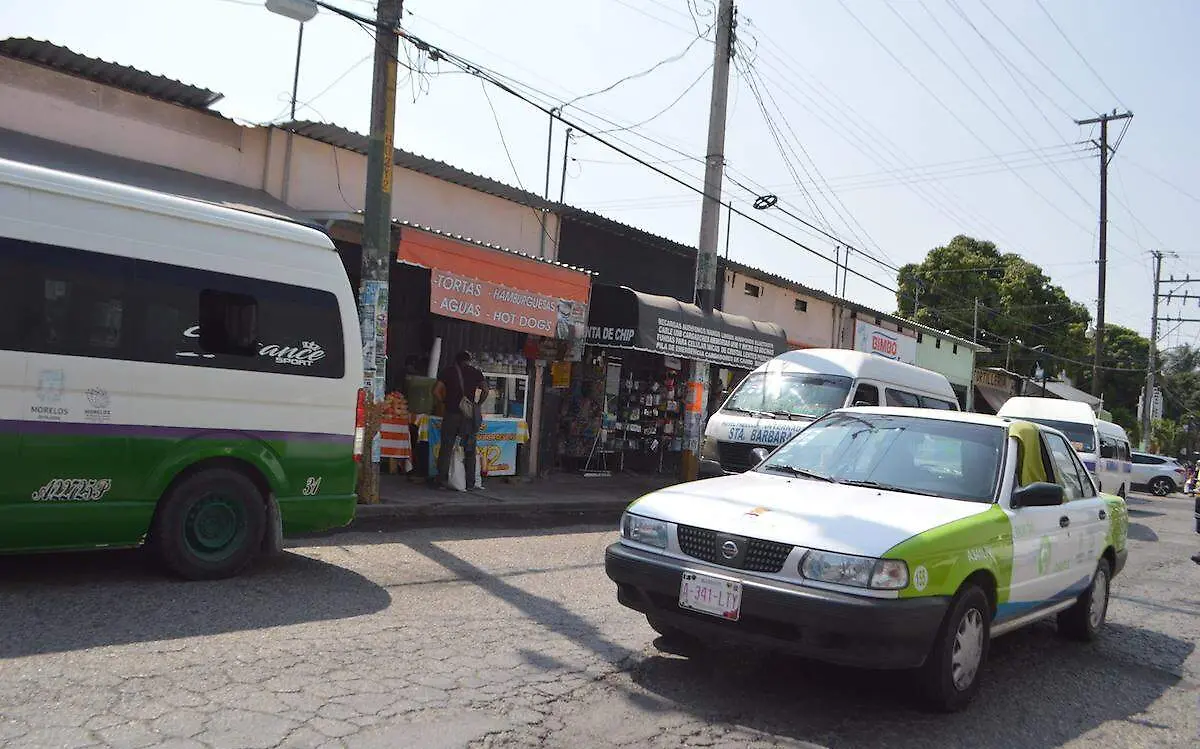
(465, 512)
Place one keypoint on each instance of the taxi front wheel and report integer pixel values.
(1084, 620)
(951, 674)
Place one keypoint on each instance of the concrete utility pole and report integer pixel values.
(1148, 394)
(377, 222)
(696, 410)
(1105, 157)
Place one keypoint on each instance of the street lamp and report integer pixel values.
(302, 11)
(1040, 371)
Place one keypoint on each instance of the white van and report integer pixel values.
(1102, 445)
(171, 372)
(787, 393)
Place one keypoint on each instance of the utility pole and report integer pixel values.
(696, 412)
(377, 226)
(546, 189)
(562, 186)
(1105, 157)
(1148, 394)
(975, 323)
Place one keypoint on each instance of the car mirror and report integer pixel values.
(863, 403)
(759, 454)
(1038, 494)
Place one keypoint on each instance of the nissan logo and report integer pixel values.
(729, 549)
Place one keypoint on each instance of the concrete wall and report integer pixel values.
(60, 107)
(809, 329)
(958, 367)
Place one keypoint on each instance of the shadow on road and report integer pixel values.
(62, 602)
(1141, 532)
(1060, 690)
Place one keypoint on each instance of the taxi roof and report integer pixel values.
(965, 417)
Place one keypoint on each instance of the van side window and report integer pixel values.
(937, 403)
(61, 300)
(902, 398)
(866, 395)
(1108, 447)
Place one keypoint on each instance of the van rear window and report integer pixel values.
(1081, 436)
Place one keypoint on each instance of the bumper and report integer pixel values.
(314, 514)
(822, 625)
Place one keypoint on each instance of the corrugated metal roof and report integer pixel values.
(336, 135)
(490, 246)
(109, 73)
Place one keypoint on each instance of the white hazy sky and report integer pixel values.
(896, 149)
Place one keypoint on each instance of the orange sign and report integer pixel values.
(498, 288)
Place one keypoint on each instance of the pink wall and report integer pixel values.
(810, 329)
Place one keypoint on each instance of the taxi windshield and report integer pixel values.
(789, 394)
(909, 454)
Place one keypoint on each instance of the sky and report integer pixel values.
(891, 124)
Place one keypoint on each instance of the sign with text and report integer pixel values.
(476, 300)
(889, 344)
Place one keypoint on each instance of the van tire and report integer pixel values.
(1083, 621)
(210, 525)
(967, 626)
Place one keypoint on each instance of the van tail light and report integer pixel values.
(360, 423)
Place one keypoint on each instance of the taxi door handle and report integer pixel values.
(1103, 515)
(1064, 521)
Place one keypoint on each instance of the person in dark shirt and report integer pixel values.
(458, 381)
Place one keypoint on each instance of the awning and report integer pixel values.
(623, 318)
(1066, 392)
(50, 154)
(994, 397)
(497, 287)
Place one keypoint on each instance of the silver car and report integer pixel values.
(1158, 474)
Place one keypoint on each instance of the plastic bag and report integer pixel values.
(457, 478)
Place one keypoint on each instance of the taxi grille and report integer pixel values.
(759, 556)
(735, 456)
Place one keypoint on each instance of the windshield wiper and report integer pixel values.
(784, 467)
(751, 411)
(882, 487)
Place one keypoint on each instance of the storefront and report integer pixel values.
(451, 294)
(625, 403)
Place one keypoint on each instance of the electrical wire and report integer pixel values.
(665, 109)
(500, 130)
(1079, 54)
(640, 74)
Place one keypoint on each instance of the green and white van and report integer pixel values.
(171, 372)
(883, 538)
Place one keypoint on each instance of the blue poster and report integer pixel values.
(496, 445)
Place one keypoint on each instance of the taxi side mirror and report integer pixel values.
(759, 454)
(1038, 494)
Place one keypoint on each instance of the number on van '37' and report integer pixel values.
(312, 487)
(73, 490)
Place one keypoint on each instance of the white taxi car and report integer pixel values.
(883, 538)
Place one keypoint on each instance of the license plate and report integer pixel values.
(715, 596)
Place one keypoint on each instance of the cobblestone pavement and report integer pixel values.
(451, 638)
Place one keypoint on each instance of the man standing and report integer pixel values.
(461, 388)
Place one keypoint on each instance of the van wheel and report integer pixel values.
(951, 675)
(210, 525)
(1084, 620)
(1161, 486)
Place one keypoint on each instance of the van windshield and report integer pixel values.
(1082, 436)
(787, 394)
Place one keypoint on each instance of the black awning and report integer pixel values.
(620, 317)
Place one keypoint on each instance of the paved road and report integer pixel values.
(436, 638)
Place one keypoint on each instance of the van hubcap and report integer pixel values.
(968, 649)
(214, 525)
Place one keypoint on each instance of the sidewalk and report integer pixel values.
(557, 494)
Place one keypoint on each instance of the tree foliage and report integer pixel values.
(1017, 300)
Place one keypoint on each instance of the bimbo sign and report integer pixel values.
(889, 344)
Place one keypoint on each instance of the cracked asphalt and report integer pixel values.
(513, 638)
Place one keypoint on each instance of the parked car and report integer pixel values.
(883, 538)
(1158, 474)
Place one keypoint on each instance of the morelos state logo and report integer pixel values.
(98, 397)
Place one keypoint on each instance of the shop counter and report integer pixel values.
(496, 445)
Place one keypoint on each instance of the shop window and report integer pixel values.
(753, 289)
(801, 305)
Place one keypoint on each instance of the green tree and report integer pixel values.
(1125, 355)
(1017, 300)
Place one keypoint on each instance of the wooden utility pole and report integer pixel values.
(377, 225)
(696, 410)
(1105, 157)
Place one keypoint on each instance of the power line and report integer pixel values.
(1075, 49)
(640, 74)
(669, 107)
(500, 130)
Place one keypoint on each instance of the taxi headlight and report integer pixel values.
(861, 572)
(644, 530)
